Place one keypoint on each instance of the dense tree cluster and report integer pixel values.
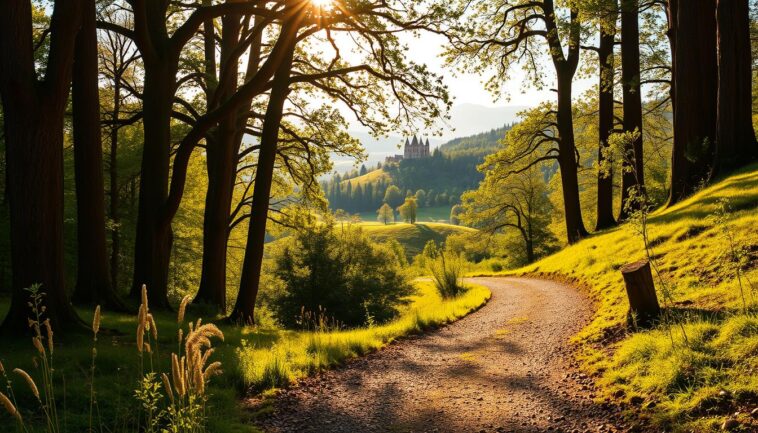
(218, 117)
(601, 150)
(218, 99)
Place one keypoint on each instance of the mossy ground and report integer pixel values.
(684, 380)
(253, 358)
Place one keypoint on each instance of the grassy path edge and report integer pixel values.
(300, 354)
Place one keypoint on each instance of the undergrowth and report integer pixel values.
(254, 358)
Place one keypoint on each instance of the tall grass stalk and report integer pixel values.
(446, 268)
(95, 330)
(172, 402)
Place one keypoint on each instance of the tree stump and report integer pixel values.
(640, 289)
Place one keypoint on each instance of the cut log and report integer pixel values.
(640, 289)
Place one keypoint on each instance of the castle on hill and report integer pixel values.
(412, 149)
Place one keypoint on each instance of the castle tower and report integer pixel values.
(416, 148)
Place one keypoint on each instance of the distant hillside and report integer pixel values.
(479, 145)
(412, 237)
(438, 180)
(465, 120)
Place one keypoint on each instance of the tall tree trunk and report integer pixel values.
(575, 229)
(223, 164)
(671, 12)
(33, 121)
(633, 177)
(605, 217)
(695, 97)
(222, 168)
(93, 284)
(735, 142)
(114, 192)
(154, 239)
(565, 68)
(244, 308)
(529, 242)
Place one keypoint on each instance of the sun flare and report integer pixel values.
(323, 4)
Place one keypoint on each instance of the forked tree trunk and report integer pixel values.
(735, 142)
(222, 169)
(633, 176)
(640, 289)
(33, 120)
(605, 218)
(93, 283)
(244, 308)
(695, 76)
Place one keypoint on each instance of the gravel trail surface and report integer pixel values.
(504, 368)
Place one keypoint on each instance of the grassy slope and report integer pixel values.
(252, 358)
(372, 176)
(412, 237)
(684, 379)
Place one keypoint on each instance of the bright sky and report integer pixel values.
(468, 88)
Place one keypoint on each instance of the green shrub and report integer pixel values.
(446, 268)
(339, 276)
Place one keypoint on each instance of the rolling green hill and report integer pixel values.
(412, 237)
(436, 214)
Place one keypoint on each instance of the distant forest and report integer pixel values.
(435, 181)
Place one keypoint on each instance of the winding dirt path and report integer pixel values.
(505, 368)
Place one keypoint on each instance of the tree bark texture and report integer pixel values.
(33, 120)
(640, 289)
(605, 218)
(93, 284)
(575, 229)
(695, 77)
(154, 238)
(736, 145)
(222, 170)
(633, 176)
